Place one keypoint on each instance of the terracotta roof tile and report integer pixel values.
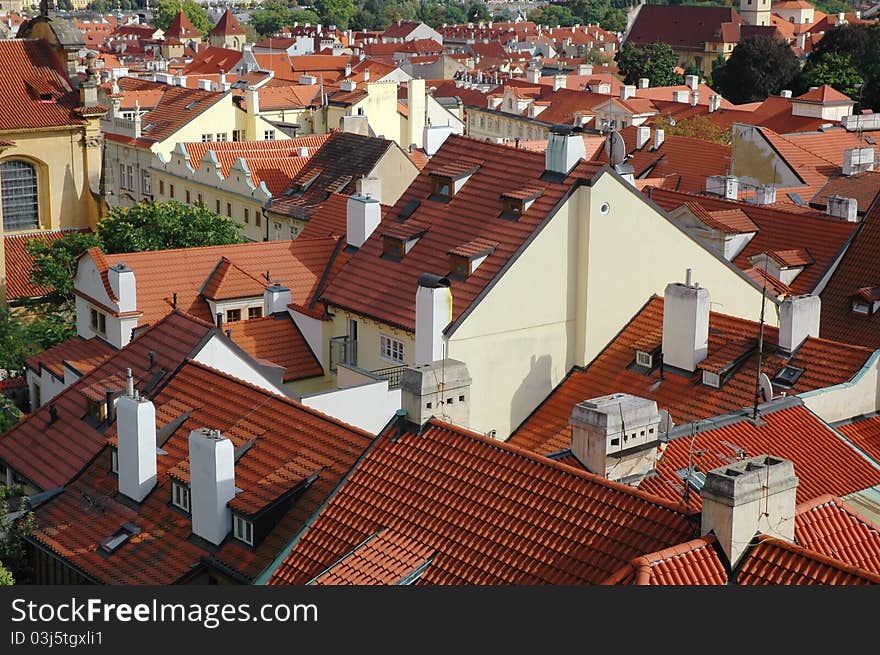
(695, 562)
(228, 25)
(827, 526)
(385, 558)
(81, 354)
(825, 94)
(864, 187)
(684, 27)
(177, 107)
(181, 28)
(277, 340)
(20, 265)
(777, 562)
(825, 363)
(228, 282)
(865, 434)
(289, 439)
(493, 513)
(213, 60)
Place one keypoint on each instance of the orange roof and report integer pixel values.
(50, 455)
(228, 25)
(827, 526)
(285, 439)
(20, 265)
(865, 434)
(385, 289)
(80, 354)
(177, 107)
(694, 562)
(777, 562)
(228, 282)
(385, 558)
(278, 340)
(864, 187)
(289, 96)
(492, 513)
(301, 265)
(825, 363)
(213, 60)
(825, 95)
(181, 28)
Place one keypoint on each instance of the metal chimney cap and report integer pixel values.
(431, 281)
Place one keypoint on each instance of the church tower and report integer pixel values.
(755, 12)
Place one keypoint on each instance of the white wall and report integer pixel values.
(368, 406)
(861, 395)
(313, 331)
(217, 354)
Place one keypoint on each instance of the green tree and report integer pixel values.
(6, 579)
(14, 348)
(759, 66)
(304, 16)
(161, 226)
(656, 62)
(614, 20)
(9, 415)
(335, 12)
(99, 6)
(835, 69)
(552, 15)
(478, 11)
(167, 10)
(13, 549)
(271, 17)
(55, 263)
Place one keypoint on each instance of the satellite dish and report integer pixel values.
(766, 387)
(615, 149)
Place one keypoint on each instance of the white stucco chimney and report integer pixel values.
(433, 314)
(801, 40)
(685, 324)
(765, 194)
(798, 319)
(785, 93)
(276, 298)
(726, 186)
(212, 483)
(748, 497)
(643, 135)
(558, 82)
(714, 102)
(122, 281)
(362, 215)
(564, 150)
(627, 91)
(136, 453)
(841, 207)
(691, 82)
(644, 83)
(533, 75)
(659, 137)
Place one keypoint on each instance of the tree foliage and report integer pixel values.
(13, 549)
(161, 226)
(759, 66)
(9, 414)
(656, 62)
(335, 12)
(55, 262)
(23, 336)
(552, 15)
(697, 127)
(167, 10)
(835, 69)
(860, 45)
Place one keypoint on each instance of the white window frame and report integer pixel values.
(146, 184)
(645, 359)
(207, 138)
(180, 496)
(268, 135)
(243, 530)
(220, 137)
(98, 321)
(391, 349)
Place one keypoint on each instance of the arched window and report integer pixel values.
(18, 187)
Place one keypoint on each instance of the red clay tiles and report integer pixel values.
(20, 265)
(827, 526)
(81, 354)
(279, 341)
(777, 562)
(694, 562)
(385, 558)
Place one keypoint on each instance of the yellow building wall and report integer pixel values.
(396, 172)
(369, 331)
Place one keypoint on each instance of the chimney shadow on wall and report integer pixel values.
(533, 389)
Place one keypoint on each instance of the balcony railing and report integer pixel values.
(343, 350)
(393, 374)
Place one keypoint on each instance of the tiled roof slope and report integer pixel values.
(493, 513)
(694, 562)
(277, 339)
(228, 25)
(50, 455)
(82, 354)
(228, 282)
(36, 92)
(777, 562)
(827, 526)
(335, 167)
(824, 462)
(20, 265)
(774, 113)
(181, 28)
(385, 289)
(178, 106)
(858, 269)
(825, 363)
(285, 433)
(681, 27)
(213, 60)
(385, 558)
(301, 265)
(864, 187)
(865, 434)
(824, 237)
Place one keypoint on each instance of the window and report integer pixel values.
(244, 530)
(220, 136)
(201, 200)
(187, 197)
(294, 231)
(860, 307)
(277, 227)
(146, 189)
(161, 187)
(259, 217)
(711, 379)
(247, 215)
(206, 138)
(441, 187)
(255, 312)
(180, 496)
(37, 397)
(229, 209)
(269, 135)
(644, 359)
(171, 190)
(98, 321)
(233, 315)
(238, 135)
(391, 349)
(217, 211)
(114, 460)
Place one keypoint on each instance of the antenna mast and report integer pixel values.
(760, 341)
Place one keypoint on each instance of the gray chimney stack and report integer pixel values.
(441, 389)
(564, 150)
(276, 298)
(685, 325)
(212, 483)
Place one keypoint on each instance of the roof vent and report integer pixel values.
(857, 160)
(726, 186)
(841, 207)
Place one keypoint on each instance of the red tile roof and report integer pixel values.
(277, 340)
(286, 437)
(212, 60)
(493, 513)
(827, 526)
(824, 237)
(694, 562)
(181, 28)
(36, 92)
(228, 25)
(864, 187)
(824, 462)
(177, 107)
(825, 95)
(685, 27)
(48, 454)
(81, 354)
(385, 558)
(857, 269)
(825, 363)
(20, 265)
(385, 289)
(865, 434)
(228, 282)
(774, 113)
(777, 562)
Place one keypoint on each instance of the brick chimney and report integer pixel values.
(740, 500)
(136, 453)
(685, 324)
(212, 483)
(433, 314)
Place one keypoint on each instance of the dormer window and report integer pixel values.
(441, 188)
(466, 258)
(243, 530)
(448, 180)
(114, 461)
(399, 239)
(866, 301)
(516, 203)
(644, 359)
(711, 379)
(180, 496)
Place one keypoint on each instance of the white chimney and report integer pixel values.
(616, 436)
(643, 135)
(685, 325)
(841, 207)
(276, 298)
(347, 85)
(714, 102)
(252, 101)
(308, 80)
(366, 75)
(434, 136)
(748, 497)
(627, 91)
(122, 282)
(433, 314)
(726, 186)
(681, 96)
(136, 454)
(533, 75)
(798, 319)
(212, 483)
(348, 70)
(205, 85)
(857, 160)
(659, 137)
(695, 98)
(558, 82)
(564, 151)
(644, 83)
(785, 93)
(691, 82)
(801, 40)
(585, 69)
(362, 215)
(765, 194)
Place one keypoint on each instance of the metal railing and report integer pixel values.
(393, 374)
(343, 350)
